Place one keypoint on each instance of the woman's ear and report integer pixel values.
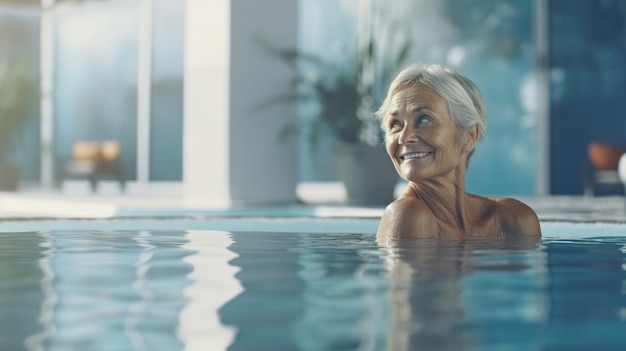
(472, 135)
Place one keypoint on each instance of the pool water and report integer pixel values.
(212, 289)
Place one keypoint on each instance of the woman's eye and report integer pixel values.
(422, 119)
(394, 125)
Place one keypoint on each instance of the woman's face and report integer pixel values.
(421, 137)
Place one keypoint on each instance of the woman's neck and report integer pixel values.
(447, 200)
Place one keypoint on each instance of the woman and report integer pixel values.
(433, 117)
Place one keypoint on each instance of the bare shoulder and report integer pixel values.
(517, 218)
(406, 217)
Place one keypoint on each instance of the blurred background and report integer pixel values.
(552, 73)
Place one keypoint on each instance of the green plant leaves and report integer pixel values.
(19, 94)
(340, 97)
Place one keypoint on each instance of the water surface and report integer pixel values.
(208, 289)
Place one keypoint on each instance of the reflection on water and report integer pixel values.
(100, 290)
(35, 341)
(118, 290)
(213, 285)
(20, 292)
(427, 288)
(215, 290)
(345, 303)
(344, 292)
(587, 293)
(271, 299)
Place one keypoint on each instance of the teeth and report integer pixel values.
(415, 155)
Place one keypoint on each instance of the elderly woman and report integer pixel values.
(433, 117)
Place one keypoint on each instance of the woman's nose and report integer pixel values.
(408, 136)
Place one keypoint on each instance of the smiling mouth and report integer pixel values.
(414, 155)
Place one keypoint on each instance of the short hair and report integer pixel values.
(465, 101)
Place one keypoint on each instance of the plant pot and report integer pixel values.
(9, 177)
(367, 173)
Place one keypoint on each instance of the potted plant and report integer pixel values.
(18, 97)
(343, 97)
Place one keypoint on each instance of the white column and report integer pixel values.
(144, 80)
(231, 150)
(205, 133)
(46, 58)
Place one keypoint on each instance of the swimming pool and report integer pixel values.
(305, 283)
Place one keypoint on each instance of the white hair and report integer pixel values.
(465, 101)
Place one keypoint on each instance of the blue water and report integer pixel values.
(108, 288)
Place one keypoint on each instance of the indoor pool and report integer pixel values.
(305, 284)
